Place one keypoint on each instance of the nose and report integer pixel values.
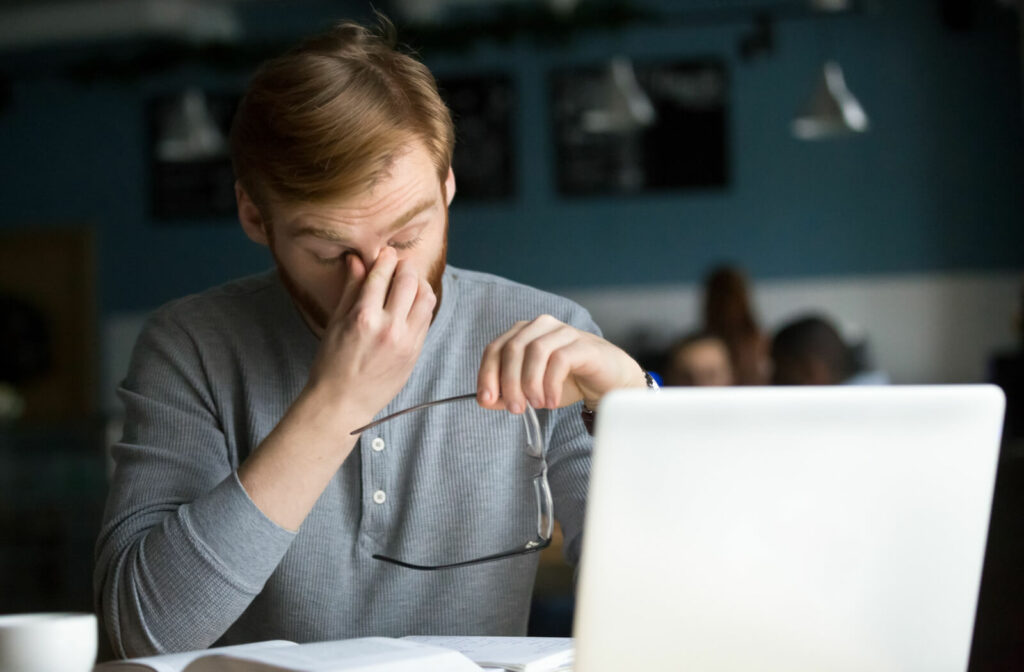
(368, 255)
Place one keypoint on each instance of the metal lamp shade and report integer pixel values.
(832, 110)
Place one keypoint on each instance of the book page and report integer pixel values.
(524, 654)
(369, 654)
(176, 662)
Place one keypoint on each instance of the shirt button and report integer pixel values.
(379, 496)
(377, 444)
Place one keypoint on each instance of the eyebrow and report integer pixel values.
(402, 220)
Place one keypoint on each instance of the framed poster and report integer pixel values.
(622, 128)
(191, 170)
(484, 159)
(48, 321)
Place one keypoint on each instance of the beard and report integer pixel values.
(318, 315)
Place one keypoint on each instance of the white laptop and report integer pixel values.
(792, 529)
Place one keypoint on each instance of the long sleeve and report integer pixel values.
(183, 550)
(186, 560)
(568, 472)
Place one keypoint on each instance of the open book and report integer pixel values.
(369, 654)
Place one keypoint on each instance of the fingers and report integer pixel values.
(530, 363)
(404, 289)
(422, 310)
(378, 279)
(389, 290)
(524, 361)
(546, 366)
(488, 384)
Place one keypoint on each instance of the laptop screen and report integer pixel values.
(787, 528)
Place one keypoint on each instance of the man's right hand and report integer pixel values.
(366, 355)
(374, 337)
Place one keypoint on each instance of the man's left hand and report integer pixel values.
(550, 365)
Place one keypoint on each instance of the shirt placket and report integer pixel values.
(377, 481)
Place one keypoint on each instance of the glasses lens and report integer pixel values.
(534, 442)
(534, 448)
(545, 507)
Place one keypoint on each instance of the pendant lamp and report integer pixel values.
(624, 105)
(832, 110)
(188, 131)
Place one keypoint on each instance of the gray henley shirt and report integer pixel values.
(185, 559)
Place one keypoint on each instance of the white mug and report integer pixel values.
(47, 642)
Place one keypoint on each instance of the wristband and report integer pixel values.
(588, 415)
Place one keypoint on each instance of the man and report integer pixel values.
(810, 351)
(246, 503)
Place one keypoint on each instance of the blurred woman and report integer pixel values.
(729, 315)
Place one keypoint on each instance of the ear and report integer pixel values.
(449, 186)
(250, 217)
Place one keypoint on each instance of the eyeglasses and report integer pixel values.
(542, 490)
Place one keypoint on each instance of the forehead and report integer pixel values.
(409, 171)
(706, 347)
(410, 185)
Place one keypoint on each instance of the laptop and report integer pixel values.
(801, 528)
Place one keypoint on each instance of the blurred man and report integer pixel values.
(249, 499)
(810, 351)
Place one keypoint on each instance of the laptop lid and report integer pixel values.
(838, 528)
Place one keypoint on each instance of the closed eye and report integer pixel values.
(332, 260)
(405, 245)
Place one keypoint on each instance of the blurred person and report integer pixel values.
(249, 500)
(699, 359)
(865, 370)
(811, 351)
(729, 314)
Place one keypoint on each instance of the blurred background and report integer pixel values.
(857, 160)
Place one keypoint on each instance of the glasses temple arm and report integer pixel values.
(426, 404)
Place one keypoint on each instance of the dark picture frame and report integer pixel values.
(675, 137)
(484, 159)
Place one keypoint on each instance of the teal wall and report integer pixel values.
(936, 185)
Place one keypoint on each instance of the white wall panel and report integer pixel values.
(921, 328)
